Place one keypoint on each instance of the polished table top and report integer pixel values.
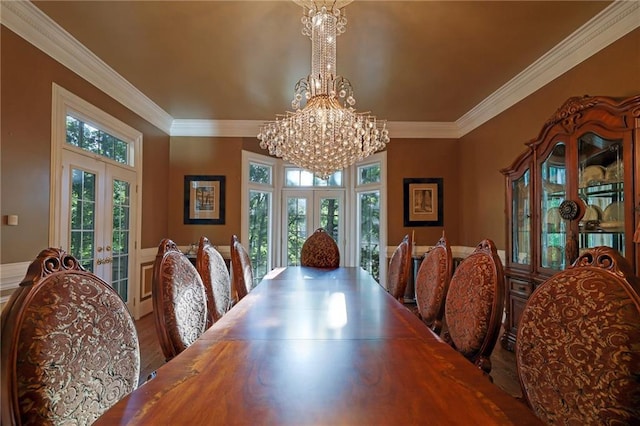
(325, 347)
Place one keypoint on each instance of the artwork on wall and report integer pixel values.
(204, 200)
(423, 204)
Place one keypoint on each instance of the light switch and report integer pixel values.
(12, 220)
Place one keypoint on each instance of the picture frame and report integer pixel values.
(204, 200)
(423, 202)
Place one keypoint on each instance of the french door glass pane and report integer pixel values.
(329, 216)
(259, 222)
(83, 210)
(296, 229)
(369, 244)
(120, 237)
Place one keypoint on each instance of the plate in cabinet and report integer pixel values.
(592, 175)
(614, 212)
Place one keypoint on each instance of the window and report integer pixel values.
(285, 201)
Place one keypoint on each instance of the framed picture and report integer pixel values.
(423, 204)
(204, 200)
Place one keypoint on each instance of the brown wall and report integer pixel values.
(473, 185)
(614, 71)
(205, 156)
(422, 158)
(26, 76)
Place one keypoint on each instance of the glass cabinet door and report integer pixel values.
(521, 214)
(553, 192)
(601, 189)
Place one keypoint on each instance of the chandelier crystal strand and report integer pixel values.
(327, 134)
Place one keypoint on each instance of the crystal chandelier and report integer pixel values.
(327, 134)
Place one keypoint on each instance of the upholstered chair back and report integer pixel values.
(432, 284)
(578, 343)
(69, 345)
(215, 277)
(399, 268)
(242, 274)
(475, 303)
(179, 300)
(320, 251)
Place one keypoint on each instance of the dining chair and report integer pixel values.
(242, 274)
(69, 345)
(179, 300)
(474, 305)
(399, 268)
(320, 251)
(578, 343)
(215, 277)
(432, 284)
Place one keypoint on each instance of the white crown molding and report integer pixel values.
(30, 23)
(250, 128)
(423, 129)
(222, 128)
(26, 20)
(614, 22)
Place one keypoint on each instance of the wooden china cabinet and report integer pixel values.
(577, 186)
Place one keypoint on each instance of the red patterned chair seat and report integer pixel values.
(320, 251)
(474, 305)
(179, 300)
(432, 284)
(215, 277)
(578, 343)
(69, 345)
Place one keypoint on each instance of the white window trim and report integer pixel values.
(276, 182)
(349, 181)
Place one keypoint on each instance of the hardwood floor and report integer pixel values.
(151, 358)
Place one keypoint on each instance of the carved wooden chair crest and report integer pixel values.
(399, 267)
(432, 284)
(320, 251)
(179, 300)
(578, 343)
(215, 277)
(242, 274)
(474, 305)
(69, 345)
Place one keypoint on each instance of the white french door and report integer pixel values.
(303, 212)
(98, 208)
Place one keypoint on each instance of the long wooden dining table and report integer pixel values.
(312, 346)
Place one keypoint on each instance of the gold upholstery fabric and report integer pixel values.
(432, 284)
(474, 305)
(179, 300)
(320, 251)
(215, 277)
(69, 346)
(578, 350)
